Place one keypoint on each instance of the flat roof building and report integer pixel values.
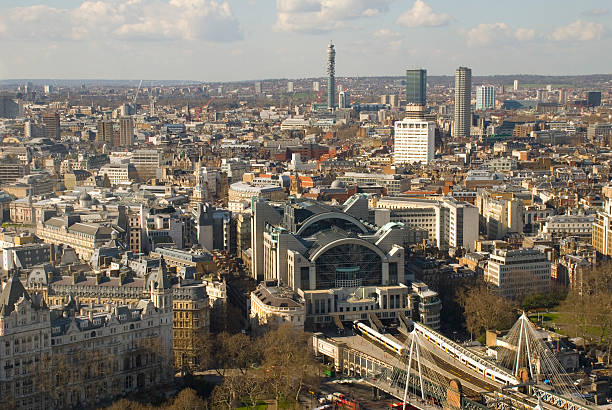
(414, 141)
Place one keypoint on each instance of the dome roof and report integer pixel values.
(337, 184)
(84, 196)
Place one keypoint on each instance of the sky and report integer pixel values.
(231, 40)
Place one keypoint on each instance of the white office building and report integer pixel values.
(449, 223)
(485, 97)
(118, 173)
(344, 99)
(414, 141)
(518, 272)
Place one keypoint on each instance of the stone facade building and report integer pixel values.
(76, 355)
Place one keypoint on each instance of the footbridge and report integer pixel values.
(439, 367)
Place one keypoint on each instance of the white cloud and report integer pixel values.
(36, 22)
(319, 16)
(579, 30)
(422, 15)
(370, 12)
(396, 45)
(498, 33)
(596, 12)
(207, 20)
(524, 34)
(386, 33)
(485, 34)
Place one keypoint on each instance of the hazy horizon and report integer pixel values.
(227, 41)
(43, 81)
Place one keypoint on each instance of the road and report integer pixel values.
(363, 394)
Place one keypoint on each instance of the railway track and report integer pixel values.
(455, 370)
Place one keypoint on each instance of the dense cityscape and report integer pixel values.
(403, 241)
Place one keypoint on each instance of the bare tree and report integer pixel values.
(484, 310)
(278, 365)
(288, 362)
(587, 310)
(227, 351)
(187, 399)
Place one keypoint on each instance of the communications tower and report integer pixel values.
(331, 77)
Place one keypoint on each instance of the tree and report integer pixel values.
(544, 300)
(452, 314)
(484, 310)
(278, 365)
(587, 310)
(288, 362)
(187, 399)
(247, 389)
(226, 351)
(125, 404)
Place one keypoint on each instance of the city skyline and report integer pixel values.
(210, 41)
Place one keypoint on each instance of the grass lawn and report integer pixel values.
(550, 317)
(554, 318)
(282, 404)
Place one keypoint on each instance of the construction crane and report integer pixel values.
(205, 106)
(137, 91)
(203, 109)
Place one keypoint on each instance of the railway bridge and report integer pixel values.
(435, 361)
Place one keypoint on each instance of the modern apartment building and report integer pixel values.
(485, 97)
(463, 102)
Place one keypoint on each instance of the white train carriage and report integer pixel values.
(372, 334)
(487, 370)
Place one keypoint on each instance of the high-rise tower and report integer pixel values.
(331, 77)
(126, 131)
(416, 87)
(105, 132)
(463, 102)
(52, 124)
